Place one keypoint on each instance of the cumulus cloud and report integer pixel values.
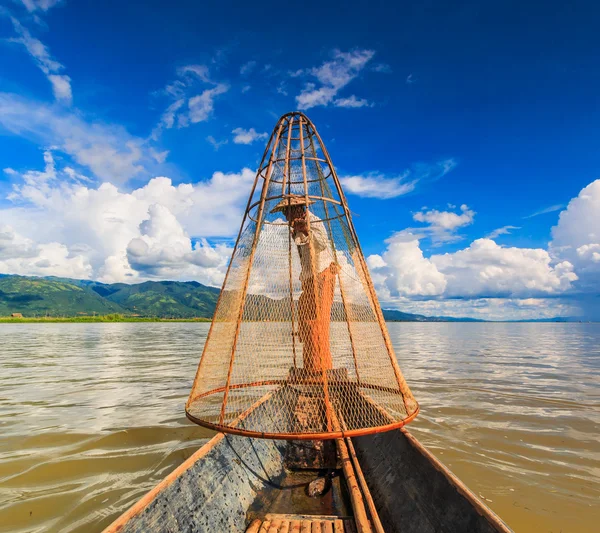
(521, 278)
(443, 225)
(155, 231)
(61, 84)
(22, 255)
(576, 237)
(332, 76)
(488, 269)
(378, 185)
(187, 105)
(242, 136)
(402, 270)
(164, 250)
(108, 151)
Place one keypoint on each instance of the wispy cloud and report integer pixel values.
(41, 5)
(504, 230)
(377, 185)
(550, 209)
(242, 136)
(384, 68)
(109, 151)
(247, 68)
(332, 76)
(352, 101)
(410, 79)
(216, 144)
(61, 83)
(382, 186)
(186, 107)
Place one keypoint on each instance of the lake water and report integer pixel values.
(91, 417)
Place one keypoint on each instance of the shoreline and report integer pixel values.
(99, 318)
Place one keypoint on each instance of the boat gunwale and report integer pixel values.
(138, 507)
(455, 481)
(145, 500)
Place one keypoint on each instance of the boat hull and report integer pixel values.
(234, 479)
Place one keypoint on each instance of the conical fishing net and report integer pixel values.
(298, 331)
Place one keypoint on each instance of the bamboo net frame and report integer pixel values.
(298, 317)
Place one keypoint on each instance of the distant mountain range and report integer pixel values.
(63, 297)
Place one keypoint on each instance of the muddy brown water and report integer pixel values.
(91, 417)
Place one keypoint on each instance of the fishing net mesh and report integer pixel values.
(298, 322)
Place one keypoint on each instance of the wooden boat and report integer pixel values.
(381, 482)
(299, 372)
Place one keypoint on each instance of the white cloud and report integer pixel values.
(442, 225)
(61, 84)
(164, 250)
(201, 106)
(156, 231)
(484, 280)
(242, 136)
(576, 237)
(504, 230)
(446, 220)
(410, 79)
(107, 150)
(61, 87)
(375, 185)
(545, 210)
(333, 76)
(352, 101)
(247, 68)
(23, 256)
(216, 144)
(42, 5)
(382, 67)
(490, 281)
(402, 270)
(186, 107)
(487, 269)
(378, 185)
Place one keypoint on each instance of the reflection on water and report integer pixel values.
(91, 416)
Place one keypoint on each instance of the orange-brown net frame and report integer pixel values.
(298, 321)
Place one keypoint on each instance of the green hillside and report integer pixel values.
(39, 296)
(173, 299)
(66, 297)
(61, 297)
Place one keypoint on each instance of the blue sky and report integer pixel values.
(466, 136)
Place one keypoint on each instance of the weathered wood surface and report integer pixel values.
(213, 491)
(291, 523)
(232, 480)
(415, 493)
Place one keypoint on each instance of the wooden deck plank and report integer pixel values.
(305, 527)
(285, 526)
(254, 526)
(316, 526)
(295, 526)
(326, 526)
(274, 527)
(338, 526)
(265, 526)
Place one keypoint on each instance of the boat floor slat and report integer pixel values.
(290, 523)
